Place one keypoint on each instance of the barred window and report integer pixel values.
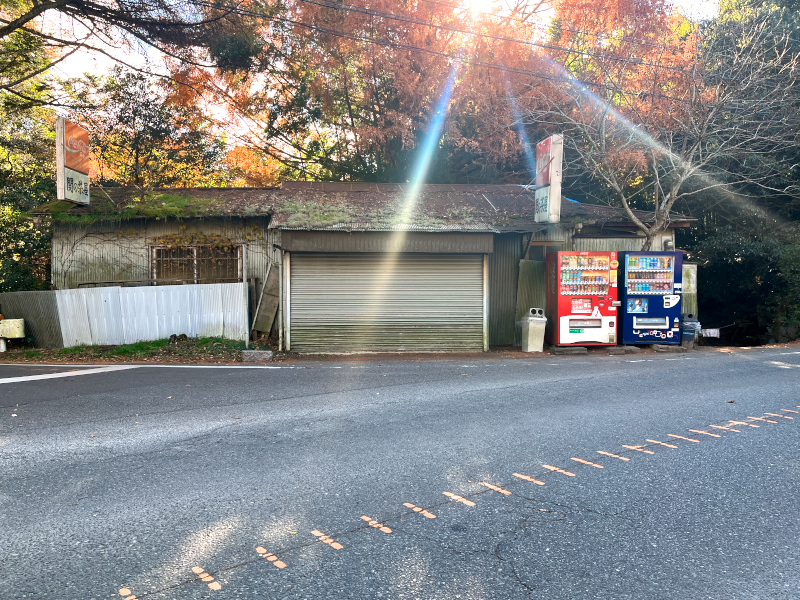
(197, 264)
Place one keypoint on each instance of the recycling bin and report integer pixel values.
(533, 326)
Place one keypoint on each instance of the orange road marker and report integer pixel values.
(458, 498)
(638, 449)
(743, 423)
(496, 488)
(726, 428)
(680, 437)
(531, 479)
(777, 415)
(419, 510)
(264, 553)
(586, 462)
(206, 578)
(762, 419)
(661, 443)
(791, 411)
(559, 470)
(604, 453)
(328, 540)
(705, 433)
(373, 523)
(127, 594)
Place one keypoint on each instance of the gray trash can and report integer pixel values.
(690, 330)
(533, 325)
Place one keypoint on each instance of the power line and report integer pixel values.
(452, 56)
(395, 17)
(544, 29)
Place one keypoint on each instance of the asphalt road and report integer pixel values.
(643, 477)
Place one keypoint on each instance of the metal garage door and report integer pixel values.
(386, 302)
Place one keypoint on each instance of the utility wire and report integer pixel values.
(457, 57)
(544, 29)
(395, 17)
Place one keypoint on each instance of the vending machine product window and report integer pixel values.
(649, 274)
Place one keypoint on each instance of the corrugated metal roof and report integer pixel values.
(346, 206)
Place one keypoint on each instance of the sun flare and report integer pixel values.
(479, 6)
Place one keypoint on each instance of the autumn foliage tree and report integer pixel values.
(192, 31)
(657, 111)
(140, 138)
(348, 91)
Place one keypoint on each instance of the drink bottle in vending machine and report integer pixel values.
(582, 298)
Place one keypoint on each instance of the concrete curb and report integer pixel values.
(257, 355)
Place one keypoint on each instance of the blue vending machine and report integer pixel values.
(651, 297)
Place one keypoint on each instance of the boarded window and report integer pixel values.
(197, 264)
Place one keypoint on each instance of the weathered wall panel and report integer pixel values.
(622, 244)
(121, 251)
(116, 315)
(531, 291)
(73, 314)
(689, 300)
(40, 312)
(557, 233)
(503, 277)
(400, 241)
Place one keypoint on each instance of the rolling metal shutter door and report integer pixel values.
(386, 302)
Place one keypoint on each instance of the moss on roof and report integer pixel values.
(353, 206)
(121, 204)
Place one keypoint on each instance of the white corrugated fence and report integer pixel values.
(119, 315)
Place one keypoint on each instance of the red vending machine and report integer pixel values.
(582, 298)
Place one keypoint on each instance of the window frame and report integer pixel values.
(195, 262)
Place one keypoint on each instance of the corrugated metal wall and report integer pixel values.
(386, 302)
(689, 300)
(397, 241)
(503, 277)
(116, 315)
(621, 244)
(40, 311)
(121, 251)
(558, 233)
(531, 291)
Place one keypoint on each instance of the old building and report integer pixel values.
(354, 267)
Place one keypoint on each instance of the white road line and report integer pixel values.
(222, 367)
(68, 373)
(163, 366)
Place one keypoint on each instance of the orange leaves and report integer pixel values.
(252, 168)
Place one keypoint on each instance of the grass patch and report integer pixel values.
(175, 349)
(139, 348)
(73, 350)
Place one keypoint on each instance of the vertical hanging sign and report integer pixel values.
(72, 162)
(549, 158)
